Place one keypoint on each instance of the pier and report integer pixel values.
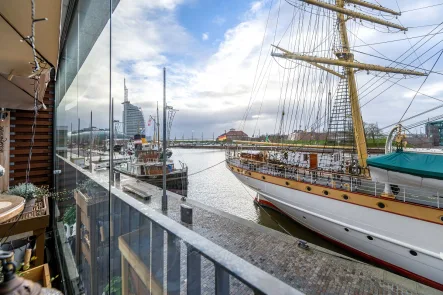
(203, 145)
(311, 270)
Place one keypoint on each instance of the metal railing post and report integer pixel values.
(375, 189)
(157, 258)
(221, 281)
(404, 194)
(173, 265)
(351, 184)
(193, 267)
(438, 201)
(311, 177)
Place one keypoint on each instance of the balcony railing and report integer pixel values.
(340, 181)
(121, 238)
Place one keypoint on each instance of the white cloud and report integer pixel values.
(212, 89)
(256, 6)
(218, 20)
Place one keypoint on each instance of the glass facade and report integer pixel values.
(83, 101)
(133, 119)
(109, 242)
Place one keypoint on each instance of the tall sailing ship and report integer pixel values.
(386, 208)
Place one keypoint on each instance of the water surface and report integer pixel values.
(219, 188)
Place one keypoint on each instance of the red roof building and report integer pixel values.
(232, 134)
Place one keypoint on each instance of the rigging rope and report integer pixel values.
(420, 87)
(207, 168)
(419, 8)
(256, 69)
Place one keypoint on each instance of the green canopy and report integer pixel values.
(423, 165)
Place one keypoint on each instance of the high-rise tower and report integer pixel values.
(133, 119)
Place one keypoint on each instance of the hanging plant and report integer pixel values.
(44, 191)
(27, 191)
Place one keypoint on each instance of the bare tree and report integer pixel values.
(373, 131)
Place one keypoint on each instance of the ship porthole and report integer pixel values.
(345, 197)
(308, 188)
(287, 182)
(232, 168)
(346, 229)
(412, 252)
(238, 170)
(381, 205)
(370, 238)
(441, 218)
(325, 192)
(249, 173)
(263, 177)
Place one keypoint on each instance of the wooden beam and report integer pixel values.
(354, 14)
(327, 70)
(344, 63)
(125, 276)
(138, 266)
(373, 6)
(40, 246)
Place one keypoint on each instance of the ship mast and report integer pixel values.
(345, 58)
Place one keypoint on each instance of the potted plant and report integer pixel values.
(91, 188)
(28, 191)
(114, 287)
(69, 216)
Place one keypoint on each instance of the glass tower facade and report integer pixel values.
(133, 119)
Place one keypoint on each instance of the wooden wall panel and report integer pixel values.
(41, 161)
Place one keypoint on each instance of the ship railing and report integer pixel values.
(346, 182)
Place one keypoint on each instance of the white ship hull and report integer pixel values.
(395, 238)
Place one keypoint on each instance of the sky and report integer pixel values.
(214, 53)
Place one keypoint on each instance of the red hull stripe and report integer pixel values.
(393, 267)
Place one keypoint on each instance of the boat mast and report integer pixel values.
(158, 130)
(357, 121)
(346, 60)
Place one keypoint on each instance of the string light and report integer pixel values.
(3, 114)
(36, 72)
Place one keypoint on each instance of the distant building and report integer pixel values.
(296, 135)
(307, 136)
(133, 119)
(434, 130)
(420, 141)
(232, 134)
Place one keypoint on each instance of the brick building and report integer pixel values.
(233, 134)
